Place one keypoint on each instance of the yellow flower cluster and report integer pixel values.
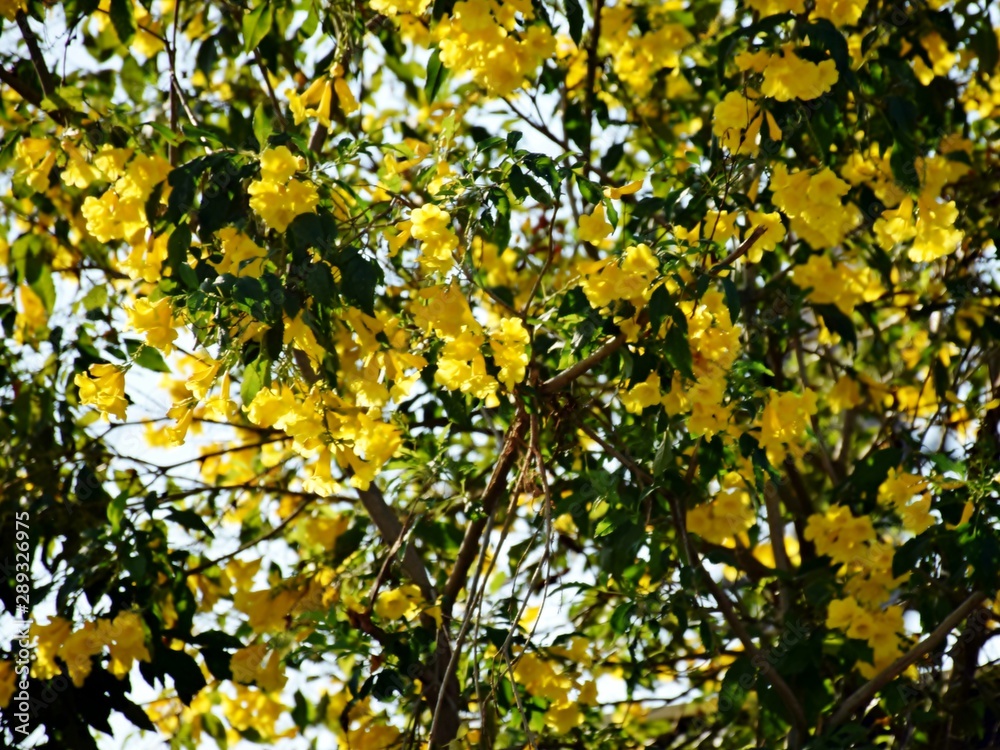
(736, 122)
(120, 213)
(33, 160)
(241, 256)
(814, 204)
(840, 12)
(255, 709)
(898, 489)
(788, 76)
(277, 197)
(104, 387)
(317, 99)
(637, 58)
(461, 365)
(881, 628)
(156, 320)
(325, 427)
(843, 285)
(726, 517)
(784, 424)
(714, 342)
(480, 38)
(541, 678)
(606, 281)
(839, 535)
(431, 225)
(124, 637)
(258, 664)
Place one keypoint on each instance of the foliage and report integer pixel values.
(502, 374)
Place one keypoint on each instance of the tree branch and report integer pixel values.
(863, 695)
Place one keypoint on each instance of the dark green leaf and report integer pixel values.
(123, 19)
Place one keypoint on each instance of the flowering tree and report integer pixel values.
(498, 373)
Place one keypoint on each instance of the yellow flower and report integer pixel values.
(126, 640)
(564, 717)
(104, 388)
(787, 76)
(77, 651)
(398, 603)
(841, 12)
(276, 196)
(33, 160)
(845, 394)
(314, 102)
(241, 256)
(203, 378)
(78, 172)
(392, 7)
(508, 343)
(432, 226)
(594, 227)
(629, 189)
(641, 395)
(736, 123)
(784, 422)
(31, 314)
(50, 639)
(155, 319)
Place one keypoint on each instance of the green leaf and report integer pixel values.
(590, 191)
(262, 127)
(97, 297)
(190, 520)
(45, 288)
(574, 16)
(837, 322)
(678, 350)
(621, 618)
(736, 686)
(256, 26)
(359, 277)
(133, 80)
(253, 381)
(150, 358)
(123, 19)
(436, 73)
(188, 677)
(612, 157)
(116, 511)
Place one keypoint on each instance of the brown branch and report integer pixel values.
(567, 376)
(863, 695)
(494, 488)
(739, 252)
(391, 530)
(592, 62)
(37, 60)
(270, 90)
